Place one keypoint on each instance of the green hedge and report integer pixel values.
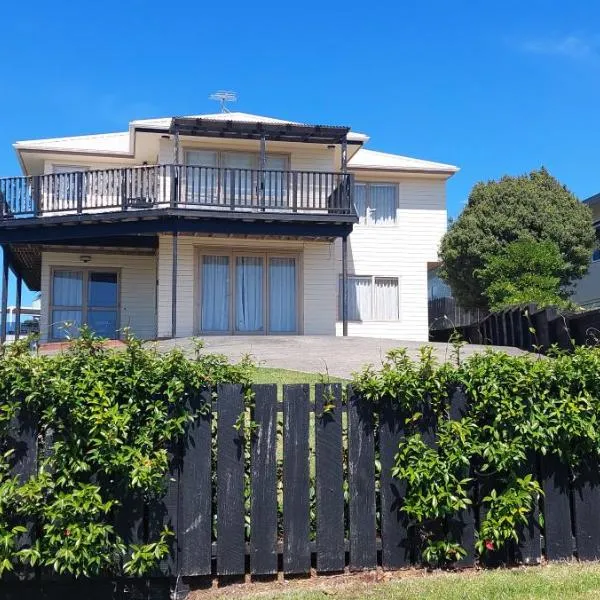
(106, 420)
(519, 407)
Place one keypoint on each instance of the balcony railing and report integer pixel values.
(177, 186)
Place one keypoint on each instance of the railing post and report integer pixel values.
(35, 195)
(174, 185)
(350, 193)
(295, 191)
(232, 189)
(79, 191)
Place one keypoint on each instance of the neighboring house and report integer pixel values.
(257, 220)
(587, 289)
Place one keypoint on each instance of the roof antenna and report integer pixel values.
(222, 96)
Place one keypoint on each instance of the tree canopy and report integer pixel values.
(533, 207)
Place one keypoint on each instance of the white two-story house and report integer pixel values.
(223, 224)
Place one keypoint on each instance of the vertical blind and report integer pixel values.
(376, 203)
(249, 294)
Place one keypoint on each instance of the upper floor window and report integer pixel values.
(376, 203)
(596, 252)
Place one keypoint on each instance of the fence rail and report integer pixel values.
(176, 186)
(235, 512)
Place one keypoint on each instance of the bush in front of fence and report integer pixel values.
(516, 408)
(104, 422)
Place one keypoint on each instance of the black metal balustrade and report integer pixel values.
(176, 186)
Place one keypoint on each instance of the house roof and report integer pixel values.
(121, 143)
(593, 200)
(370, 159)
(117, 143)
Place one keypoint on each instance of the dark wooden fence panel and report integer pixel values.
(586, 504)
(557, 509)
(528, 550)
(296, 479)
(329, 478)
(231, 552)
(263, 520)
(361, 481)
(195, 481)
(396, 550)
(462, 527)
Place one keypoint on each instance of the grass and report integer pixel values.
(564, 581)
(281, 376)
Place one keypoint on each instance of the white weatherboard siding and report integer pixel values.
(317, 296)
(137, 287)
(401, 251)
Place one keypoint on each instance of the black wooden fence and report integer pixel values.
(529, 328)
(444, 313)
(276, 509)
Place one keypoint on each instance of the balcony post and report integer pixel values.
(35, 195)
(18, 306)
(4, 306)
(174, 288)
(263, 166)
(345, 286)
(344, 165)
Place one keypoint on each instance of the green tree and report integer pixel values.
(524, 271)
(534, 207)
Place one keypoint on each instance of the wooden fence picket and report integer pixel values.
(462, 526)
(263, 520)
(586, 504)
(231, 545)
(195, 491)
(528, 550)
(329, 477)
(361, 481)
(396, 551)
(296, 479)
(557, 509)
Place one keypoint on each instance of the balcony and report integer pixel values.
(194, 191)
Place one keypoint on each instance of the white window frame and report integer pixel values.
(367, 220)
(372, 278)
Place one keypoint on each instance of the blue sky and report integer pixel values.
(493, 87)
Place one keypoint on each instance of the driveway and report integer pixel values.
(340, 356)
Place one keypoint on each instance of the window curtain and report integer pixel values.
(239, 176)
(360, 201)
(249, 294)
(215, 293)
(386, 299)
(275, 183)
(201, 177)
(359, 298)
(67, 288)
(383, 204)
(282, 295)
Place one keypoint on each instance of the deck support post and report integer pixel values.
(4, 307)
(345, 286)
(174, 288)
(344, 165)
(18, 306)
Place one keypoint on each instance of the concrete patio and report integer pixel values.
(338, 356)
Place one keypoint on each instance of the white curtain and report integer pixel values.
(386, 299)
(360, 201)
(282, 295)
(275, 183)
(215, 293)
(359, 298)
(201, 176)
(383, 204)
(67, 288)
(249, 293)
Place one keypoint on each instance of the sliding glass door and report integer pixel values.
(247, 294)
(84, 296)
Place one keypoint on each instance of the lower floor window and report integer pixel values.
(248, 293)
(79, 297)
(371, 298)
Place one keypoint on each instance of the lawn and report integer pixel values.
(281, 376)
(557, 581)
